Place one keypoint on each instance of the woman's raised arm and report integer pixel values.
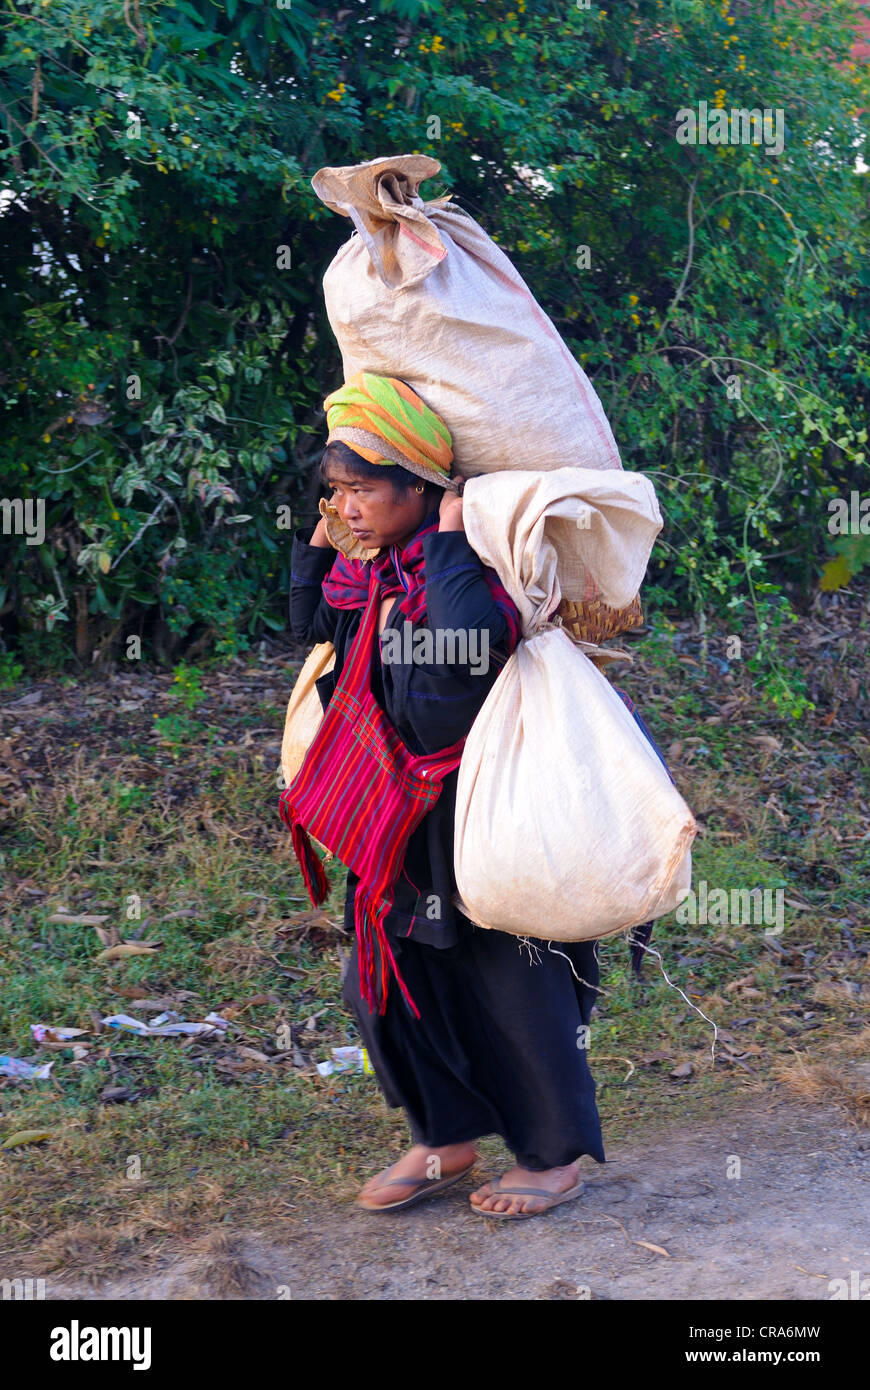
(311, 558)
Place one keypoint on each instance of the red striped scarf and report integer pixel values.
(403, 571)
(361, 793)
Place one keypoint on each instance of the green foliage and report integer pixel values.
(852, 554)
(189, 683)
(167, 350)
(177, 729)
(10, 671)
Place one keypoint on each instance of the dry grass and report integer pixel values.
(90, 1250)
(856, 1045)
(222, 1270)
(822, 1083)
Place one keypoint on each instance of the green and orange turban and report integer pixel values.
(386, 422)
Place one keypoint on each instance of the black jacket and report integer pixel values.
(430, 705)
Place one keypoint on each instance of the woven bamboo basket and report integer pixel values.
(594, 621)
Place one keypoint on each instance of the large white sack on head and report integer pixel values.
(573, 533)
(422, 293)
(567, 824)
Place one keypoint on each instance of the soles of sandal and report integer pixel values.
(421, 1195)
(527, 1215)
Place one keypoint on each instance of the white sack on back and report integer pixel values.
(568, 826)
(573, 533)
(422, 293)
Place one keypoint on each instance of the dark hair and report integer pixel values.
(401, 479)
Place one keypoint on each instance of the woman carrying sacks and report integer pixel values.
(469, 1031)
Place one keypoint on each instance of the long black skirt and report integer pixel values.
(500, 1048)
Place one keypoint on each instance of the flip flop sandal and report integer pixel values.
(425, 1188)
(554, 1200)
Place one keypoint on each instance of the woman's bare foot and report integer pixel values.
(554, 1180)
(420, 1165)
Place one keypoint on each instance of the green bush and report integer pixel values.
(166, 345)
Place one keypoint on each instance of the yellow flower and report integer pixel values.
(635, 318)
(632, 299)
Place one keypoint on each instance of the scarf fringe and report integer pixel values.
(313, 871)
(374, 981)
(374, 974)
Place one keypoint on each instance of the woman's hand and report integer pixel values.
(319, 536)
(450, 513)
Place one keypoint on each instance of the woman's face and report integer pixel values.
(369, 507)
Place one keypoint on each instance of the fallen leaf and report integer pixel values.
(83, 919)
(32, 698)
(27, 1136)
(128, 948)
(741, 983)
(116, 1095)
(682, 1071)
(742, 1063)
(656, 1249)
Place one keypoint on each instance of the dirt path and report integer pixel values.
(796, 1218)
